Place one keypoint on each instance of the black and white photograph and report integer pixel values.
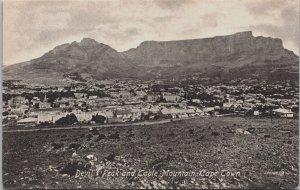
(150, 94)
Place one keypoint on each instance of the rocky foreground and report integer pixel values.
(199, 153)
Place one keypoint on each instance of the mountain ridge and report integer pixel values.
(160, 59)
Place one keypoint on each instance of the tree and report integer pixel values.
(98, 118)
(295, 109)
(5, 113)
(68, 120)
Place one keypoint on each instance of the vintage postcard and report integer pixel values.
(150, 94)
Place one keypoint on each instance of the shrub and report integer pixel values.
(68, 120)
(215, 134)
(115, 136)
(111, 157)
(191, 131)
(100, 137)
(57, 145)
(74, 145)
(98, 118)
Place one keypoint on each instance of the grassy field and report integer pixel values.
(227, 152)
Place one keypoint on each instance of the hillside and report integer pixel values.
(219, 55)
(88, 57)
(238, 55)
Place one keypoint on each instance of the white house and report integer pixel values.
(283, 113)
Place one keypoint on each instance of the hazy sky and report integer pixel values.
(32, 28)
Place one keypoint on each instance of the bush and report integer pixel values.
(71, 167)
(130, 135)
(98, 118)
(57, 145)
(215, 134)
(111, 157)
(68, 120)
(115, 136)
(100, 137)
(74, 145)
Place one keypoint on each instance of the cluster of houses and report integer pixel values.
(130, 101)
(117, 114)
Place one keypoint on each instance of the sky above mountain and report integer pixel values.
(33, 27)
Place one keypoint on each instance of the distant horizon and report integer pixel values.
(78, 41)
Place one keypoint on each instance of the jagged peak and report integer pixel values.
(88, 42)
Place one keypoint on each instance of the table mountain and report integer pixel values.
(240, 54)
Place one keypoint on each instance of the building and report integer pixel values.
(30, 121)
(152, 98)
(171, 97)
(17, 102)
(49, 115)
(283, 113)
(124, 114)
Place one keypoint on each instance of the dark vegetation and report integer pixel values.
(252, 146)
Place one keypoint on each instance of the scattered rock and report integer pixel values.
(164, 182)
(239, 131)
(193, 180)
(293, 169)
(230, 131)
(91, 157)
(75, 155)
(251, 129)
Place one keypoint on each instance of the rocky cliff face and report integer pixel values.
(217, 49)
(220, 54)
(238, 55)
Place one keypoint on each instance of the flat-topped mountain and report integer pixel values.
(237, 55)
(238, 51)
(217, 49)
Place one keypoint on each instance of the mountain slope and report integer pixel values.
(237, 55)
(221, 54)
(89, 58)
